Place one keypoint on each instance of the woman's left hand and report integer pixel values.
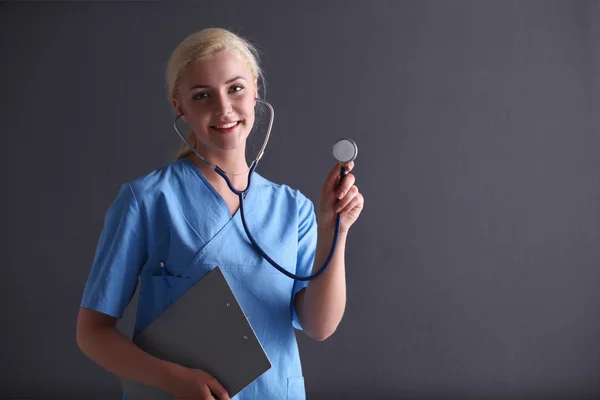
(345, 199)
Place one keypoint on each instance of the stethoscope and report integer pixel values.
(344, 151)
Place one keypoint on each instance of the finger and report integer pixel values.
(334, 175)
(333, 178)
(356, 203)
(347, 183)
(349, 166)
(218, 390)
(206, 394)
(352, 192)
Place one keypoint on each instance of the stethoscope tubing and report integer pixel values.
(241, 194)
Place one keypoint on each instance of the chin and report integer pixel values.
(227, 145)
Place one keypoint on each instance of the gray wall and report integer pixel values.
(473, 271)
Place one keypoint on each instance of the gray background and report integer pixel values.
(473, 270)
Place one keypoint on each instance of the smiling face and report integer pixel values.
(217, 97)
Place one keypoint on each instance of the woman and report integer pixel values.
(185, 216)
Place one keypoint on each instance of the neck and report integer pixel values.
(232, 162)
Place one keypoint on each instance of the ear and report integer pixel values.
(178, 107)
(256, 88)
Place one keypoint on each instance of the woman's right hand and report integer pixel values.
(198, 385)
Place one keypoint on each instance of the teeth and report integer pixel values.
(227, 126)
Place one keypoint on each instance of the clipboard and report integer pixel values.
(204, 329)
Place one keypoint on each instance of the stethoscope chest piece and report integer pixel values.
(345, 150)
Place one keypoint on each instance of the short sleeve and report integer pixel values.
(119, 256)
(307, 246)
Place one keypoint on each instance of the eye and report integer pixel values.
(200, 96)
(236, 88)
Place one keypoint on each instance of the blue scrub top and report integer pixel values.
(174, 215)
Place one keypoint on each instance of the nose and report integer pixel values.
(223, 105)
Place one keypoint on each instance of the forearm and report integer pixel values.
(325, 297)
(116, 353)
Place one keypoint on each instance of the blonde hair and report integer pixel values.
(202, 45)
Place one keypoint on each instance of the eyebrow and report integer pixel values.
(208, 87)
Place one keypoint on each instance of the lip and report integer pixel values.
(228, 130)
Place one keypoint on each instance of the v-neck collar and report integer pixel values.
(220, 199)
